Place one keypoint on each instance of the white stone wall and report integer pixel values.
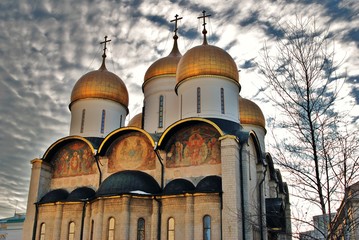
(93, 116)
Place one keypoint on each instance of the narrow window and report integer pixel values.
(71, 231)
(121, 120)
(160, 113)
(198, 100)
(91, 233)
(171, 229)
(111, 228)
(103, 121)
(42, 231)
(82, 120)
(207, 227)
(141, 229)
(222, 100)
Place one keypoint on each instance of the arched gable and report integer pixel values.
(257, 146)
(185, 122)
(271, 168)
(191, 142)
(71, 156)
(129, 148)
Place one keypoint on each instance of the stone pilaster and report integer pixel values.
(58, 222)
(189, 217)
(231, 213)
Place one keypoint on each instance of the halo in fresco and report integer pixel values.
(192, 146)
(73, 159)
(131, 152)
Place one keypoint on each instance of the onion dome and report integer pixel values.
(164, 66)
(250, 113)
(206, 60)
(102, 84)
(136, 121)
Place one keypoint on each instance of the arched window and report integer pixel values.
(171, 229)
(141, 229)
(198, 100)
(82, 120)
(103, 121)
(111, 228)
(91, 233)
(71, 231)
(42, 231)
(222, 100)
(207, 227)
(160, 113)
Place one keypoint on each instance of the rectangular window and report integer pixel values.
(198, 100)
(82, 120)
(103, 121)
(222, 100)
(160, 113)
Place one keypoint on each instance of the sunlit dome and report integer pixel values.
(164, 66)
(136, 121)
(206, 60)
(250, 113)
(102, 84)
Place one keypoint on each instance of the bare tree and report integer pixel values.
(318, 151)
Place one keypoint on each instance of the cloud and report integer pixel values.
(48, 45)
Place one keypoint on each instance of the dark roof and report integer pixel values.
(128, 181)
(179, 186)
(54, 196)
(210, 184)
(275, 214)
(81, 194)
(228, 127)
(95, 141)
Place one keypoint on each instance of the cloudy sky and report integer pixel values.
(46, 46)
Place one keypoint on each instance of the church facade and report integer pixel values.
(192, 165)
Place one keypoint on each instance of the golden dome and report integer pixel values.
(206, 60)
(100, 84)
(136, 121)
(166, 65)
(250, 113)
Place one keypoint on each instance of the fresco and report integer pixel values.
(74, 159)
(195, 145)
(131, 152)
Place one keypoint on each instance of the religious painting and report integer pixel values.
(192, 146)
(74, 159)
(131, 152)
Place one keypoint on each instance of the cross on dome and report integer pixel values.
(104, 48)
(176, 20)
(204, 25)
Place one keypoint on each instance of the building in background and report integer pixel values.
(11, 228)
(192, 165)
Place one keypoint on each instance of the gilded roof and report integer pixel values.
(166, 65)
(206, 60)
(250, 113)
(100, 83)
(136, 121)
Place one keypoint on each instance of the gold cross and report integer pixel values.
(104, 48)
(176, 20)
(204, 18)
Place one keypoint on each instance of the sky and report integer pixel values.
(46, 46)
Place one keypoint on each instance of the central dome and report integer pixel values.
(206, 60)
(100, 83)
(166, 65)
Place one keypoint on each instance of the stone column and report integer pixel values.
(58, 222)
(39, 185)
(98, 226)
(189, 217)
(231, 212)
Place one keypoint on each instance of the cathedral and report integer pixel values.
(191, 165)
